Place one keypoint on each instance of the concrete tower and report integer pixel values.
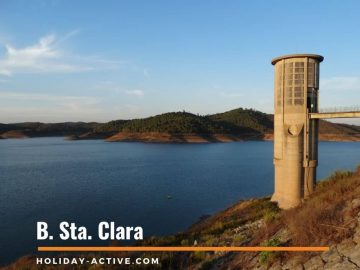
(295, 133)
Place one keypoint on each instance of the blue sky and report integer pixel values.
(104, 60)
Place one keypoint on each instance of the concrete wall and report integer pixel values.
(295, 134)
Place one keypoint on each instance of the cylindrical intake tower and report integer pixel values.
(295, 135)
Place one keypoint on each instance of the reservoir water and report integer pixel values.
(162, 187)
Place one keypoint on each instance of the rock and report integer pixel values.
(293, 263)
(355, 255)
(275, 266)
(260, 267)
(254, 264)
(353, 224)
(345, 265)
(356, 237)
(346, 247)
(314, 263)
(283, 235)
(331, 256)
(355, 203)
(298, 267)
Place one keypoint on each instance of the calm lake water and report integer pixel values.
(49, 179)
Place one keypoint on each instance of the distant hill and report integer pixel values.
(37, 129)
(174, 122)
(327, 127)
(244, 120)
(232, 122)
(232, 125)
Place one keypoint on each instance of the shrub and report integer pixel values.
(199, 256)
(340, 175)
(238, 239)
(218, 227)
(266, 257)
(209, 264)
(185, 242)
(269, 216)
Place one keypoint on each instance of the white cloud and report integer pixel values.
(46, 56)
(135, 92)
(340, 84)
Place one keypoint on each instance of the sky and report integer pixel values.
(65, 60)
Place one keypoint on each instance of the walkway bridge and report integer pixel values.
(329, 115)
(337, 112)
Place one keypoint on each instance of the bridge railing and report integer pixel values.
(354, 108)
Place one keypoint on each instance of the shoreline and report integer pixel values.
(165, 137)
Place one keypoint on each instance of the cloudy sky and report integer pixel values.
(104, 60)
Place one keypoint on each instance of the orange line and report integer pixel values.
(143, 248)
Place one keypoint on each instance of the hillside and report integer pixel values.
(234, 122)
(37, 129)
(330, 217)
(244, 120)
(174, 122)
(337, 132)
(234, 125)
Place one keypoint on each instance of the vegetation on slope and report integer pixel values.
(232, 122)
(326, 127)
(245, 119)
(48, 129)
(175, 122)
(237, 122)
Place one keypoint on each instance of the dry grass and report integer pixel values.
(325, 217)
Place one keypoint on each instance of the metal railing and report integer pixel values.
(355, 108)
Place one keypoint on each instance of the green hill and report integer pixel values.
(37, 129)
(231, 122)
(244, 120)
(236, 122)
(173, 122)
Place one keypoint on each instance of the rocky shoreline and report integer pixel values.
(165, 137)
